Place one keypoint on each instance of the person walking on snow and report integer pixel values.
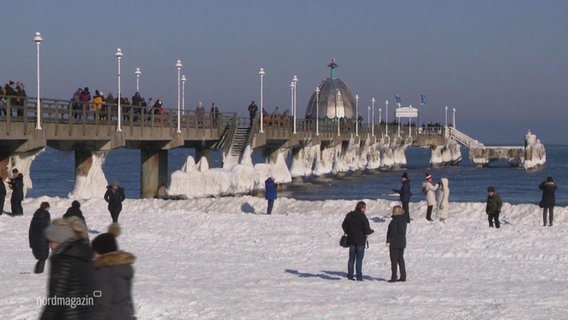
(36, 235)
(443, 200)
(548, 200)
(428, 189)
(493, 207)
(114, 196)
(270, 193)
(405, 194)
(356, 226)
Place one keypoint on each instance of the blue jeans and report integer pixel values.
(356, 254)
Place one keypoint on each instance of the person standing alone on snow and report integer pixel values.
(405, 194)
(493, 207)
(548, 201)
(443, 200)
(356, 226)
(36, 235)
(114, 196)
(428, 189)
(270, 193)
(396, 241)
(17, 185)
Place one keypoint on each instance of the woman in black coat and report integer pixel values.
(114, 196)
(75, 211)
(37, 239)
(548, 200)
(71, 275)
(396, 240)
(17, 185)
(356, 226)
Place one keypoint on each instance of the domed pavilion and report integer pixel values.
(335, 99)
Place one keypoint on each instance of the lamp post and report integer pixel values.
(380, 118)
(178, 66)
(183, 80)
(261, 74)
(119, 55)
(317, 110)
(137, 73)
(338, 122)
(38, 39)
(446, 117)
(292, 102)
(368, 119)
(357, 115)
(295, 81)
(386, 117)
(454, 119)
(373, 115)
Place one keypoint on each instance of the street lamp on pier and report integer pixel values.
(373, 115)
(183, 80)
(295, 81)
(38, 39)
(338, 122)
(357, 115)
(446, 117)
(138, 73)
(178, 67)
(386, 117)
(119, 55)
(261, 73)
(317, 110)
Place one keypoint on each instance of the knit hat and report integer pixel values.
(405, 175)
(106, 242)
(491, 189)
(427, 176)
(58, 234)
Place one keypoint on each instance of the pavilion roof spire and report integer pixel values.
(332, 66)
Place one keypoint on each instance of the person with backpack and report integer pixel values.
(356, 226)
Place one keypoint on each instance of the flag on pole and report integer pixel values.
(422, 100)
(398, 101)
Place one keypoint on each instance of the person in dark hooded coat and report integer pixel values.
(38, 241)
(113, 278)
(396, 241)
(404, 193)
(17, 185)
(75, 211)
(114, 196)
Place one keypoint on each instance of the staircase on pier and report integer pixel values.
(464, 139)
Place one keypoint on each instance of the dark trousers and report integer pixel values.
(429, 213)
(17, 209)
(114, 214)
(356, 254)
(406, 211)
(40, 265)
(270, 205)
(493, 217)
(397, 262)
(550, 215)
(2, 200)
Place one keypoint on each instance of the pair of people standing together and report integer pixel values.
(356, 226)
(429, 189)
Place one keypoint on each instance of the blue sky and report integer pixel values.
(502, 64)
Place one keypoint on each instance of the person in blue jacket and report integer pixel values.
(270, 193)
(405, 194)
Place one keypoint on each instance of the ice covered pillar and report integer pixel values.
(153, 170)
(90, 180)
(4, 163)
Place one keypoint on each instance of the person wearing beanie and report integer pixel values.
(114, 197)
(405, 194)
(72, 268)
(493, 207)
(429, 190)
(396, 241)
(356, 227)
(75, 211)
(113, 278)
(38, 241)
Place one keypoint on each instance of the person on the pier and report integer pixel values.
(493, 207)
(36, 236)
(356, 226)
(405, 194)
(252, 109)
(114, 196)
(16, 183)
(270, 193)
(443, 200)
(429, 190)
(548, 200)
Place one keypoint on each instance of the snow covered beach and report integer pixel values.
(224, 259)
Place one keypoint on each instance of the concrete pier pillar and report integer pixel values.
(153, 170)
(203, 152)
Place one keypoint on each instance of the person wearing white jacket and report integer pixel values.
(443, 200)
(428, 189)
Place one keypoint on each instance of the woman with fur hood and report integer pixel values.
(443, 200)
(113, 277)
